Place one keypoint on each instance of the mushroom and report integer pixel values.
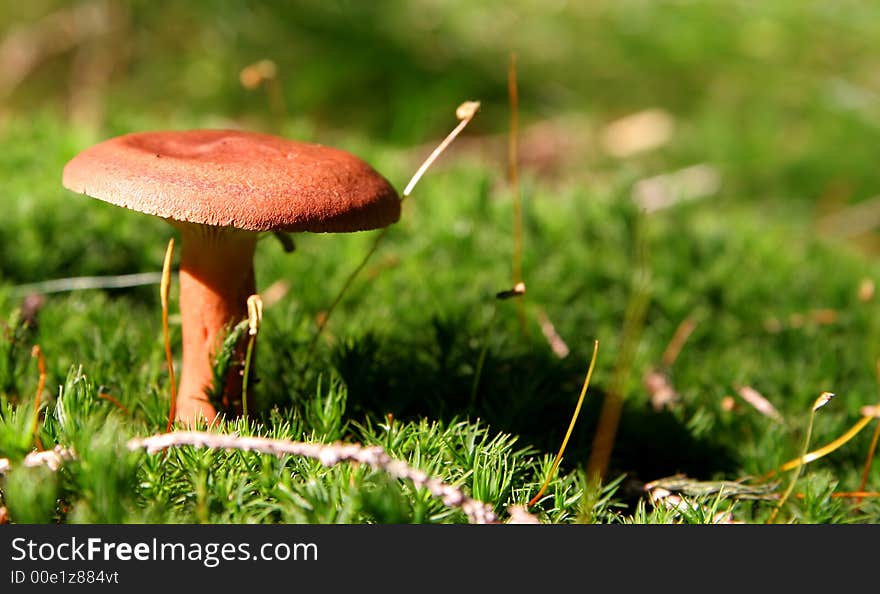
(220, 189)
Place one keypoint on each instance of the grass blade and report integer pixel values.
(164, 289)
(577, 410)
(255, 319)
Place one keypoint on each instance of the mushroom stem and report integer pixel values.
(216, 278)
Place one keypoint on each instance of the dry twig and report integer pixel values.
(53, 458)
(329, 455)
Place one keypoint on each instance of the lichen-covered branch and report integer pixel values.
(375, 457)
(329, 455)
(53, 458)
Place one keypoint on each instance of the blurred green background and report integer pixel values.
(781, 98)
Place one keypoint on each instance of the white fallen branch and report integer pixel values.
(329, 455)
(53, 458)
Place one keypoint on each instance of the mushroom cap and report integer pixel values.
(246, 180)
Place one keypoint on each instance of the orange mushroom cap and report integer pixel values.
(246, 180)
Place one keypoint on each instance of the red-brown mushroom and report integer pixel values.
(220, 189)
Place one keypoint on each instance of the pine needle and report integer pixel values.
(164, 289)
(574, 417)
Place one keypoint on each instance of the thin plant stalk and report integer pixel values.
(481, 358)
(265, 73)
(41, 384)
(824, 450)
(612, 407)
(821, 401)
(518, 290)
(857, 495)
(869, 460)
(276, 99)
(255, 319)
(322, 322)
(513, 180)
(164, 290)
(113, 401)
(465, 113)
(568, 433)
(83, 283)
